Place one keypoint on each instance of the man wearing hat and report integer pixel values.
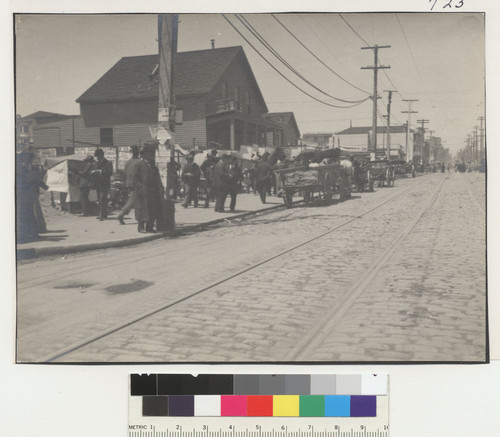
(191, 178)
(207, 168)
(102, 173)
(222, 180)
(131, 168)
(85, 183)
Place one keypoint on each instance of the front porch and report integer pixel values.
(233, 129)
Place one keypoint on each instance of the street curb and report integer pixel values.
(24, 254)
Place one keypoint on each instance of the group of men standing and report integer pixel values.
(142, 182)
(145, 190)
(223, 178)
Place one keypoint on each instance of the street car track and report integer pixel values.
(81, 344)
(316, 336)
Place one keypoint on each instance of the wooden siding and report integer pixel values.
(130, 134)
(191, 133)
(112, 114)
(61, 133)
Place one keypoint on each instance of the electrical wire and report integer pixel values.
(316, 57)
(352, 28)
(281, 74)
(362, 39)
(263, 41)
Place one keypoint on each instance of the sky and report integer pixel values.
(435, 58)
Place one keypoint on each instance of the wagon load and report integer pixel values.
(301, 178)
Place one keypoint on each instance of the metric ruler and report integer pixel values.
(279, 406)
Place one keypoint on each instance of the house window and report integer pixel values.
(224, 90)
(26, 128)
(247, 101)
(236, 97)
(106, 136)
(179, 116)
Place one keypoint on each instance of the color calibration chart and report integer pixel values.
(222, 405)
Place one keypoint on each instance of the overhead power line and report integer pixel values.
(316, 57)
(362, 39)
(280, 73)
(354, 30)
(268, 46)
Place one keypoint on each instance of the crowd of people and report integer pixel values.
(222, 178)
(142, 183)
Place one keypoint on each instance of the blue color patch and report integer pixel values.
(337, 406)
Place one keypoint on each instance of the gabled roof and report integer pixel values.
(282, 118)
(44, 117)
(366, 129)
(41, 114)
(132, 78)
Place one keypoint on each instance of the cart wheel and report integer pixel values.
(369, 182)
(328, 193)
(287, 199)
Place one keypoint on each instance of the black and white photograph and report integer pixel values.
(251, 187)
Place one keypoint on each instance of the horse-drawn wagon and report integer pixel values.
(381, 171)
(326, 180)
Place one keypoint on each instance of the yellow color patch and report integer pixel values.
(286, 406)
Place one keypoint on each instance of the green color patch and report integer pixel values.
(312, 406)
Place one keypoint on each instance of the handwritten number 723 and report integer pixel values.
(448, 4)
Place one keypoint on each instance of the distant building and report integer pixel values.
(289, 133)
(218, 101)
(53, 134)
(323, 140)
(358, 139)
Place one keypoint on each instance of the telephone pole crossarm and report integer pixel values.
(375, 67)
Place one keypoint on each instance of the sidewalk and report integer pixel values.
(69, 233)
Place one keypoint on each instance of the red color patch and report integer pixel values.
(259, 406)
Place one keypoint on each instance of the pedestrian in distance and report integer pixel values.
(129, 170)
(222, 181)
(102, 172)
(148, 191)
(263, 177)
(86, 183)
(207, 169)
(190, 177)
(235, 176)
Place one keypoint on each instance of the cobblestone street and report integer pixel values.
(381, 284)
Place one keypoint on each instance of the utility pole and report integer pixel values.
(476, 148)
(167, 47)
(389, 122)
(408, 121)
(430, 143)
(422, 146)
(481, 143)
(375, 69)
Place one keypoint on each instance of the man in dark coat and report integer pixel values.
(148, 191)
(191, 178)
(102, 172)
(85, 183)
(236, 176)
(130, 169)
(207, 168)
(28, 182)
(221, 182)
(263, 177)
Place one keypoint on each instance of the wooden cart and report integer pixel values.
(383, 172)
(326, 180)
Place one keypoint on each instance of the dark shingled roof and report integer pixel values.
(282, 118)
(279, 117)
(131, 77)
(366, 129)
